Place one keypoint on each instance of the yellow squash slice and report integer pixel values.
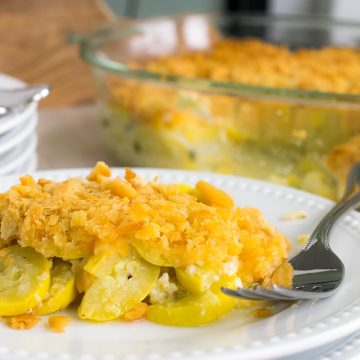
(195, 279)
(24, 279)
(120, 283)
(62, 289)
(194, 309)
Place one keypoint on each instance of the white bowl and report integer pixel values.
(11, 121)
(18, 139)
(15, 137)
(19, 156)
(27, 167)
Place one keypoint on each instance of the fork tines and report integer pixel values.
(275, 292)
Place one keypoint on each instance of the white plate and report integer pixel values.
(299, 328)
(19, 155)
(14, 137)
(11, 121)
(349, 349)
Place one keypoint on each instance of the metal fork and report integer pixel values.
(318, 272)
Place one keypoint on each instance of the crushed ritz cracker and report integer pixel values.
(137, 312)
(57, 323)
(256, 62)
(283, 275)
(23, 321)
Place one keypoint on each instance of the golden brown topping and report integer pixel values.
(23, 322)
(255, 62)
(99, 171)
(129, 174)
(121, 188)
(27, 180)
(57, 323)
(214, 196)
(78, 218)
(264, 249)
(43, 182)
(283, 275)
(137, 312)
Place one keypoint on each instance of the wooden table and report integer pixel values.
(71, 137)
(35, 49)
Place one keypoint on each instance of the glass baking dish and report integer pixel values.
(305, 139)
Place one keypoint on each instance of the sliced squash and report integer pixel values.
(24, 279)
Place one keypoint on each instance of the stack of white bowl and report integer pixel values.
(18, 139)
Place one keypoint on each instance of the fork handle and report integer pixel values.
(350, 200)
(323, 230)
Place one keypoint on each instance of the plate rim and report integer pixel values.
(348, 347)
(340, 324)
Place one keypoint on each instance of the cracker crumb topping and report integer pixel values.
(256, 62)
(23, 321)
(137, 312)
(58, 323)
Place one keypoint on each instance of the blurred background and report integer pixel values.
(126, 107)
(33, 32)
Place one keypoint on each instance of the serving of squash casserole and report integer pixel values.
(127, 248)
